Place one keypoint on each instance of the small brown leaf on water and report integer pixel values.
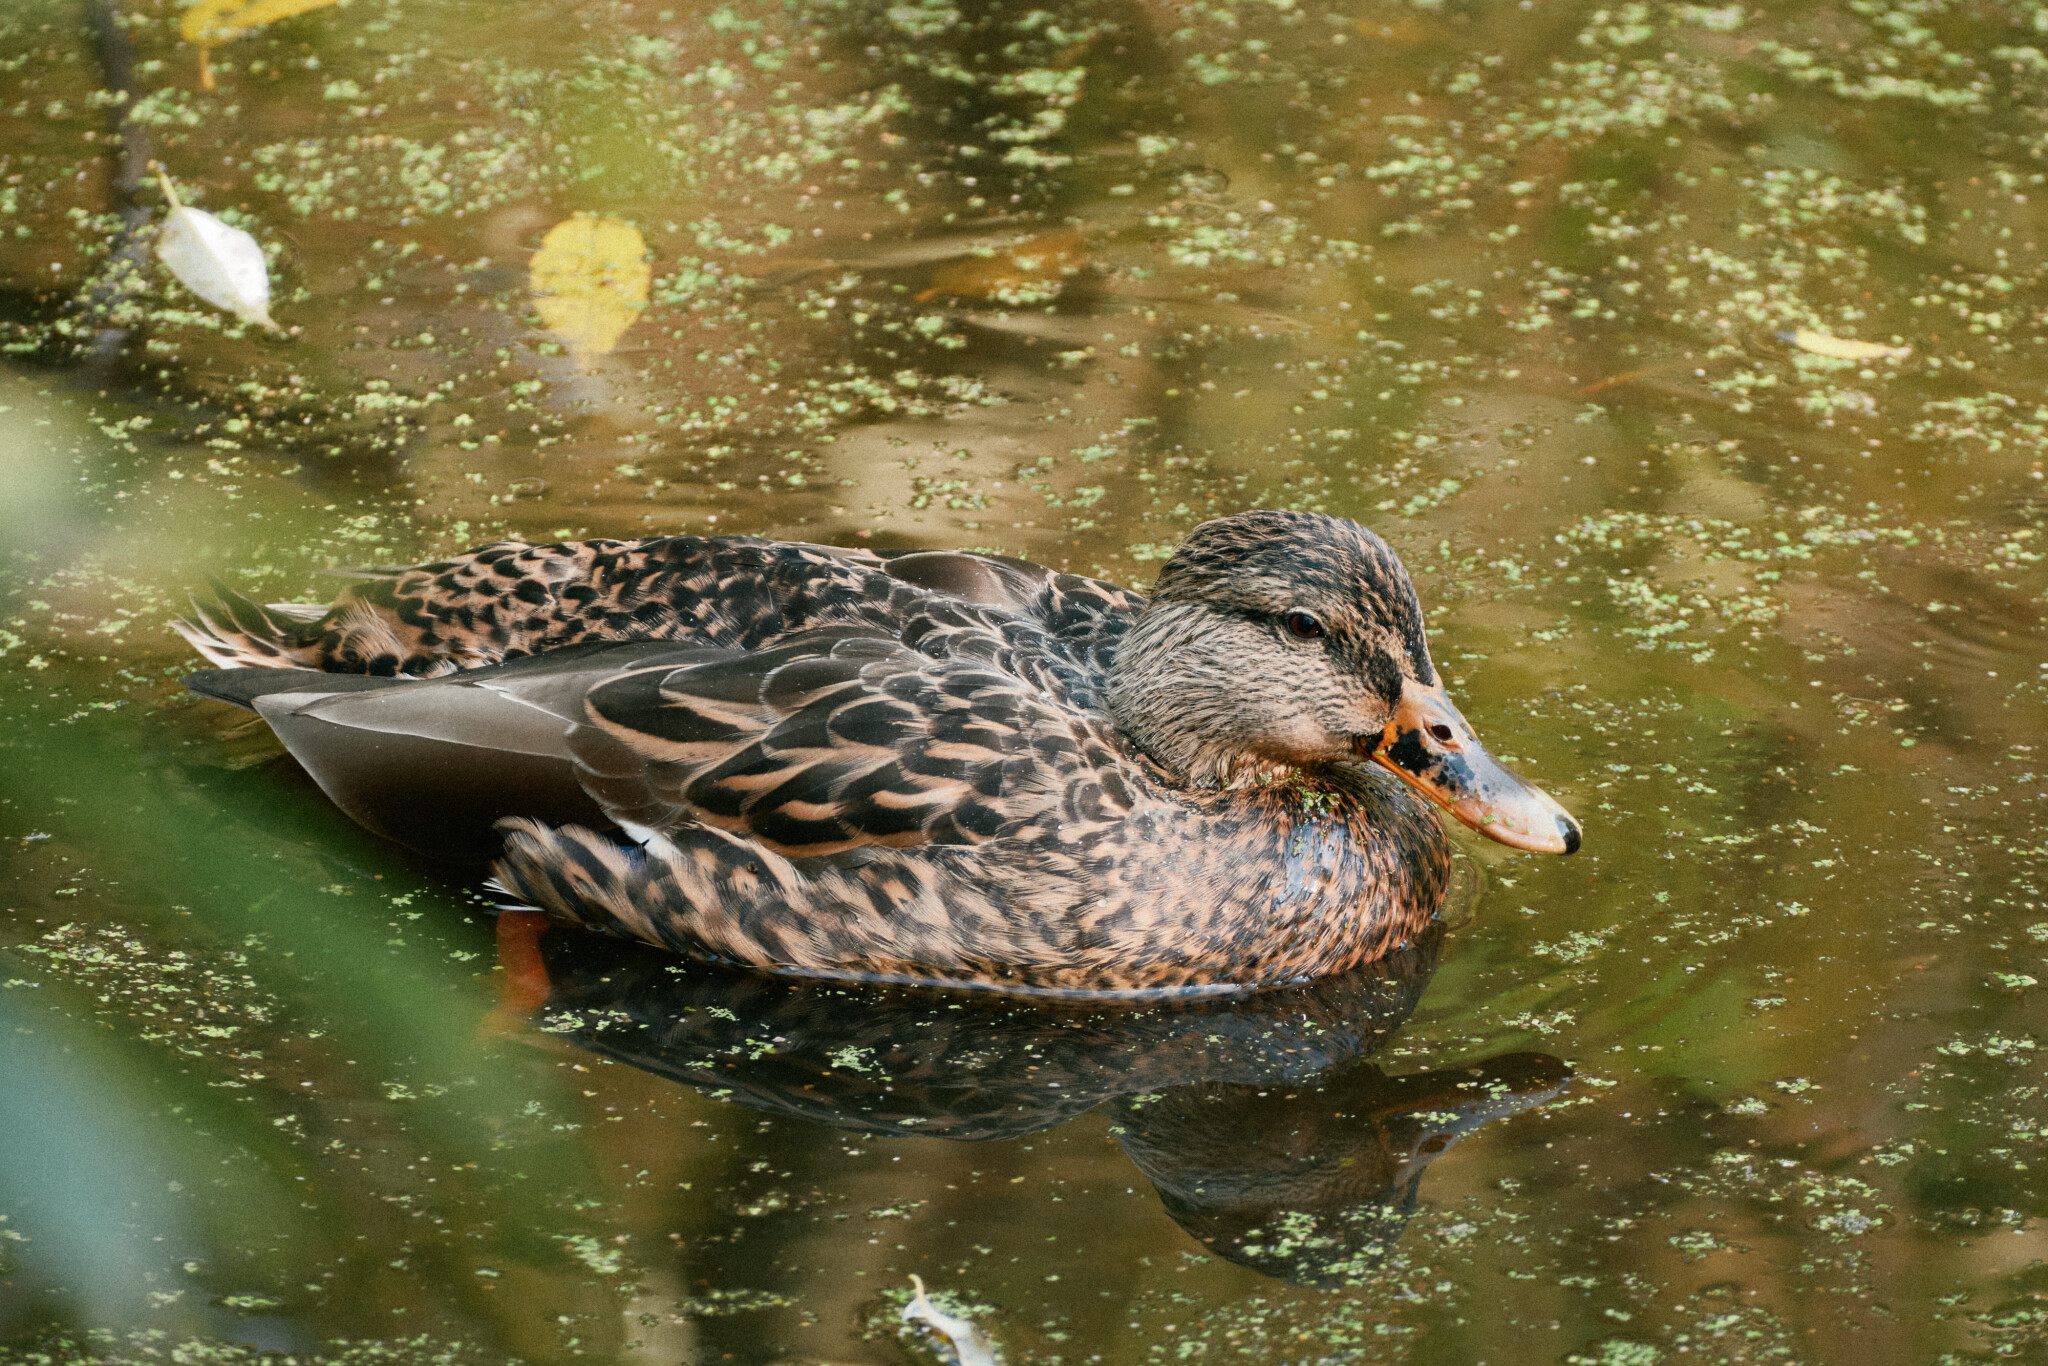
(590, 280)
(1030, 271)
(209, 23)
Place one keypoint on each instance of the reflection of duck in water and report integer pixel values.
(1314, 1184)
(1267, 1134)
(938, 766)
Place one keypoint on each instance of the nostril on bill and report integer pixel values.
(1441, 733)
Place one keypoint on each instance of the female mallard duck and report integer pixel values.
(938, 766)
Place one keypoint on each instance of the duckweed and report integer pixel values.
(1513, 286)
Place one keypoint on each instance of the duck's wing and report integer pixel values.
(435, 764)
(843, 739)
(833, 740)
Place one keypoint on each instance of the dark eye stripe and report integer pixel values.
(1385, 675)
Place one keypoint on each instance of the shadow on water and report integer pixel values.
(1259, 1119)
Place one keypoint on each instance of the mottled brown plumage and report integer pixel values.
(933, 767)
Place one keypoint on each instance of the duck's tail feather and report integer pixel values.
(235, 632)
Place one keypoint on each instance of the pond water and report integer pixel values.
(1558, 298)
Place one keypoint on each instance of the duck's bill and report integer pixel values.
(1429, 746)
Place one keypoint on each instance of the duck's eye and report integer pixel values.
(1302, 626)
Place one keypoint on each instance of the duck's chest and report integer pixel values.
(1348, 841)
(1267, 884)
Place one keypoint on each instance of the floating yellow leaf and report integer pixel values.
(590, 280)
(212, 22)
(1842, 348)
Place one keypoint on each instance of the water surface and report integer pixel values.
(1550, 295)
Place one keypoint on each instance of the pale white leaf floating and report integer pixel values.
(970, 1345)
(1842, 348)
(221, 264)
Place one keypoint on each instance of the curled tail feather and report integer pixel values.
(358, 634)
(235, 632)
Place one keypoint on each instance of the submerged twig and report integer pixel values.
(123, 273)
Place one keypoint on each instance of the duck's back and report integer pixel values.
(512, 599)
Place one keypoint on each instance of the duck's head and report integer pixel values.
(1279, 639)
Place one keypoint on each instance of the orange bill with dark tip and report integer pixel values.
(1433, 749)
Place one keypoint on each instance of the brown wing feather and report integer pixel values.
(930, 698)
(828, 743)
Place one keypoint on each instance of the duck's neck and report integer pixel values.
(1183, 708)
